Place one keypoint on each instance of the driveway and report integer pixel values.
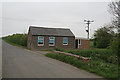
(23, 63)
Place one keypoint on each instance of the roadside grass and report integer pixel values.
(46, 50)
(99, 67)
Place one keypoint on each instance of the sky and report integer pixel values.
(18, 16)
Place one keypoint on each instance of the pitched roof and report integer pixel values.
(50, 31)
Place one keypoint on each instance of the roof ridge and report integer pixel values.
(48, 27)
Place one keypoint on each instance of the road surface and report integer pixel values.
(23, 63)
(0, 58)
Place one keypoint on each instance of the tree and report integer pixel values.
(102, 37)
(115, 10)
(115, 44)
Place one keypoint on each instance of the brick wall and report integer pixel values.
(58, 43)
(84, 44)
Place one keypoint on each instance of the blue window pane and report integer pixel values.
(51, 37)
(51, 41)
(40, 41)
(40, 37)
(65, 41)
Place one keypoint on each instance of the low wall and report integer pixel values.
(84, 59)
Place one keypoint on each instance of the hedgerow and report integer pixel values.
(19, 39)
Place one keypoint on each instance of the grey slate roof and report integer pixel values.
(50, 31)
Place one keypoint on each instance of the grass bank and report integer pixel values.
(107, 70)
(103, 61)
(106, 55)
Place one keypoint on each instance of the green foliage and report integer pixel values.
(59, 49)
(66, 59)
(115, 46)
(95, 54)
(19, 39)
(107, 70)
(102, 37)
(92, 45)
(103, 61)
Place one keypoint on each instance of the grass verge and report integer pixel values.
(107, 70)
(46, 50)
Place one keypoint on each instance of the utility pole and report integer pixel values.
(88, 22)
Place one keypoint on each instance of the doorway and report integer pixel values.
(76, 43)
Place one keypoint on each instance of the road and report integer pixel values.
(0, 58)
(23, 63)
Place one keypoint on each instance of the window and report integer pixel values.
(79, 41)
(51, 41)
(40, 41)
(65, 41)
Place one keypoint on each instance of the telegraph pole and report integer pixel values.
(88, 22)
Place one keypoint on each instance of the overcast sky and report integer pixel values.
(18, 16)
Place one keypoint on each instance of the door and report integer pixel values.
(76, 43)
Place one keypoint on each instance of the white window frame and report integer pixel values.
(40, 39)
(52, 39)
(67, 41)
(79, 42)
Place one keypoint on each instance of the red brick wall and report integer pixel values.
(84, 44)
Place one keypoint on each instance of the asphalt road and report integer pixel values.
(0, 58)
(23, 63)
